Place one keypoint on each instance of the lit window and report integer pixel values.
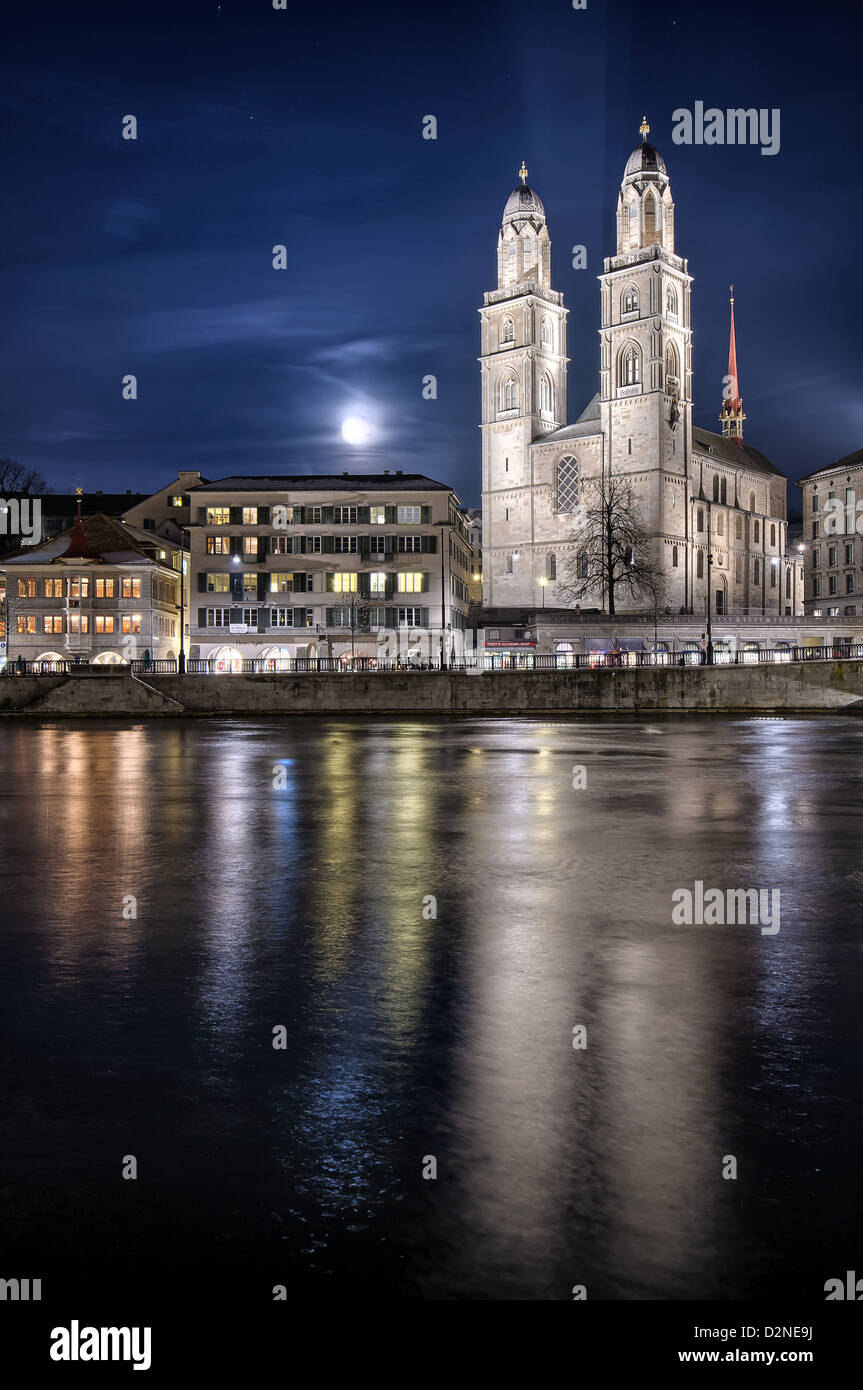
(79, 622)
(50, 623)
(218, 545)
(54, 588)
(218, 583)
(411, 515)
(26, 588)
(344, 583)
(176, 501)
(104, 623)
(410, 582)
(131, 622)
(25, 624)
(409, 617)
(131, 588)
(250, 584)
(378, 582)
(250, 516)
(218, 516)
(281, 583)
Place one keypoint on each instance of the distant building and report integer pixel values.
(833, 545)
(59, 509)
(102, 592)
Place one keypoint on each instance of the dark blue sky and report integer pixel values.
(303, 127)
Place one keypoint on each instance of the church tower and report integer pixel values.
(731, 414)
(523, 366)
(646, 348)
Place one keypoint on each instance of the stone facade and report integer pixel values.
(832, 539)
(714, 508)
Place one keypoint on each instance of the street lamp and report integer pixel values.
(542, 583)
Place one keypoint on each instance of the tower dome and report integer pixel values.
(645, 160)
(523, 202)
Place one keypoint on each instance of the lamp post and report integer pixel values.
(542, 583)
(181, 661)
(443, 533)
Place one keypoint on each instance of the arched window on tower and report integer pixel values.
(629, 366)
(724, 491)
(527, 252)
(507, 330)
(671, 301)
(545, 333)
(551, 567)
(652, 215)
(546, 396)
(772, 533)
(752, 501)
(738, 527)
(584, 561)
(566, 485)
(630, 300)
(699, 568)
(674, 556)
(788, 583)
(720, 524)
(716, 487)
(672, 365)
(509, 392)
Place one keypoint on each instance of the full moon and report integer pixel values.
(355, 430)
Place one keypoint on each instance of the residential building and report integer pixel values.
(832, 539)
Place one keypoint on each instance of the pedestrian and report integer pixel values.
(704, 649)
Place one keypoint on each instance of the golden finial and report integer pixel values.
(79, 492)
(731, 287)
(522, 173)
(644, 128)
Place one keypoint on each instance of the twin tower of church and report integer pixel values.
(698, 492)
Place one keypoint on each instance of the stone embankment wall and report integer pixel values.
(806, 686)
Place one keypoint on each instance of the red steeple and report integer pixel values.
(78, 549)
(731, 414)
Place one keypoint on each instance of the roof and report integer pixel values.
(326, 482)
(523, 202)
(728, 452)
(66, 504)
(111, 541)
(849, 461)
(645, 159)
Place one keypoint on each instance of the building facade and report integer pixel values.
(714, 508)
(832, 540)
(101, 592)
(320, 566)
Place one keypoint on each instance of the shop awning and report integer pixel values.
(597, 644)
(631, 644)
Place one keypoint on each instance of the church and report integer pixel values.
(713, 507)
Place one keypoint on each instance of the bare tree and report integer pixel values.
(352, 611)
(611, 552)
(16, 480)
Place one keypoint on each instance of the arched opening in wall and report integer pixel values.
(545, 333)
(672, 369)
(756, 573)
(50, 658)
(629, 303)
(788, 582)
(671, 301)
(720, 524)
(699, 519)
(508, 393)
(756, 532)
(551, 567)
(583, 563)
(652, 219)
(723, 490)
(738, 527)
(109, 659)
(546, 397)
(507, 331)
(633, 222)
(699, 565)
(227, 660)
(752, 501)
(772, 533)
(566, 485)
(527, 252)
(564, 654)
(721, 597)
(629, 366)
(716, 488)
(675, 557)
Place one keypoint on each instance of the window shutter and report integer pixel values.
(263, 615)
(429, 545)
(263, 516)
(425, 513)
(364, 585)
(298, 545)
(299, 583)
(391, 514)
(329, 579)
(262, 549)
(363, 515)
(327, 515)
(392, 617)
(328, 545)
(202, 617)
(262, 586)
(424, 617)
(202, 516)
(331, 617)
(389, 591)
(364, 541)
(236, 589)
(425, 581)
(389, 544)
(202, 583)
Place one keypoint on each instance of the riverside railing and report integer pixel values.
(484, 662)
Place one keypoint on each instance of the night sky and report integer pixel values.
(303, 127)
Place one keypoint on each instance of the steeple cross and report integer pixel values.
(522, 173)
(644, 128)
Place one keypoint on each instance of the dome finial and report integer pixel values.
(644, 128)
(522, 173)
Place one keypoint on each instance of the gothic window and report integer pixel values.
(651, 219)
(629, 366)
(671, 300)
(724, 490)
(716, 487)
(752, 501)
(546, 395)
(527, 252)
(699, 572)
(545, 333)
(788, 583)
(674, 556)
(551, 567)
(671, 362)
(738, 527)
(567, 485)
(772, 534)
(630, 300)
(507, 331)
(509, 393)
(757, 536)
(699, 519)
(756, 573)
(583, 563)
(509, 564)
(720, 525)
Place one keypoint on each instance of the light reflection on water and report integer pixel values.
(302, 906)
